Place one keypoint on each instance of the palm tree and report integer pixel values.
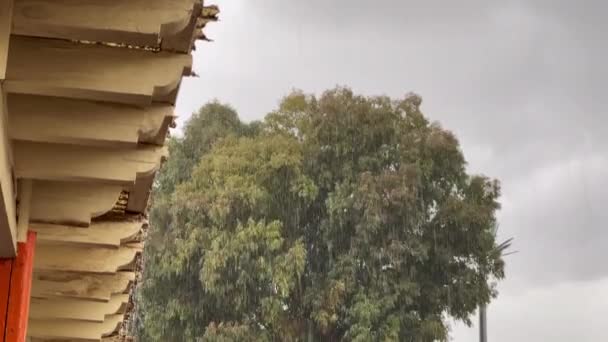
(500, 249)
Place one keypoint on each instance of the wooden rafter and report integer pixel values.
(76, 309)
(68, 121)
(97, 287)
(135, 22)
(74, 330)
(88, 260)
(72, 203)
(59, 162)
(99, 234)
(94, 72)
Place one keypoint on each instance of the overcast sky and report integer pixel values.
(521, 83)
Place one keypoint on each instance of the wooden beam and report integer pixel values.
(8, 223)
(96, 287)
(71, 203)
(25, 200)
(134, 22)
(6, 23)
(99, 234)
(94, 72)
(61, 120)
(77, 310)
(74, 330)
(61, 162)
(21, 287)
(89, 260)
(183, 40)
(139, 193)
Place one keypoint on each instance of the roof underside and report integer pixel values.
(88, 90)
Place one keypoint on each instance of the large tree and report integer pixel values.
(341, 217)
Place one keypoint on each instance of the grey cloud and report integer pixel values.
(565, 312)
(557, 216)
(508, 75)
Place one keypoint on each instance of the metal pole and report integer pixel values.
(483, 326)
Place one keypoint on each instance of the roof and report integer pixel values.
(88, 91)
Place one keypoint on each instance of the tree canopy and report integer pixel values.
(338, 217)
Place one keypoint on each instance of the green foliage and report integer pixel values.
(233, 332)
(341, 217)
